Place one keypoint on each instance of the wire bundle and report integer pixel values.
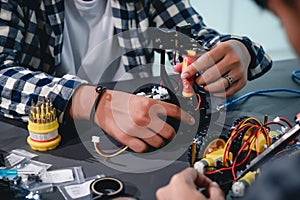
(252, 136)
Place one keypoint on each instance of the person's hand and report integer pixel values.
(130, 119)
(223, 69)
(186, 185)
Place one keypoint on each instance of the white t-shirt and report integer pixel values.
(89, 46)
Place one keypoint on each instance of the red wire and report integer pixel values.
(286, 121)
(246, 125)
(218, 170)
(269, 123)
(252, 139)
(178, 82)
(247, 142)
(256, 122)
(232, 138)
(289, 124)
(253, 136)
(265, 131)
(229, 168)
(247, 156)
(199, 102)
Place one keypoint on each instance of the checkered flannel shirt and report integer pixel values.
(31, 36)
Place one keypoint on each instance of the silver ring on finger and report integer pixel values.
(229, 79)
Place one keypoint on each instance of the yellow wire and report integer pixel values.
(109, 155)
(244, 123)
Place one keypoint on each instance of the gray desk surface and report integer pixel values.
(71, 152)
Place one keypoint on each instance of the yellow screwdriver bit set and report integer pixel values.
(43, 126)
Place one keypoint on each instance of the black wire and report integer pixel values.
(163, 73)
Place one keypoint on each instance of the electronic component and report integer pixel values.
(96, 141)
(196, 105)
(155, 92)
(192, 99)
(239, 187)
(233, 159)
(297, 118)
(10, 190)
(272, 150)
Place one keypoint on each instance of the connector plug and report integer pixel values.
(96, 139)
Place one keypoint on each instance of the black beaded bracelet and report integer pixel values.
(100, 90)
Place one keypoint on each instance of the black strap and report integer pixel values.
(100, 90)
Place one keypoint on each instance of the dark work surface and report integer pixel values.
(274, 104)
(72, 151)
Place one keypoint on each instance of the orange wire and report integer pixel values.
(253, 139)
(232, 137)
(243, 122)
(178, 82)
(247, 142)
(199, 101)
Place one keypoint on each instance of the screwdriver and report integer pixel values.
(13, 173)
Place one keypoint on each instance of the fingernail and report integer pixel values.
(184, 75)
(192, 120)
(215, 184)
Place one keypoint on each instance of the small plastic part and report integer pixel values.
(199, 166)
(95, 139)
(297, 118)
(193, 153)
(238, 189)
(276, 119)
(5, 173)
(11, 173)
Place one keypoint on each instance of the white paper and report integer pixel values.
(57, 176)
(31, 168)
(14, 159)
(79, 190)
(25, 153)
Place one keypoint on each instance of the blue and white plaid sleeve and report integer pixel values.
(25, 56)
(19, 86)
(168, 14)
